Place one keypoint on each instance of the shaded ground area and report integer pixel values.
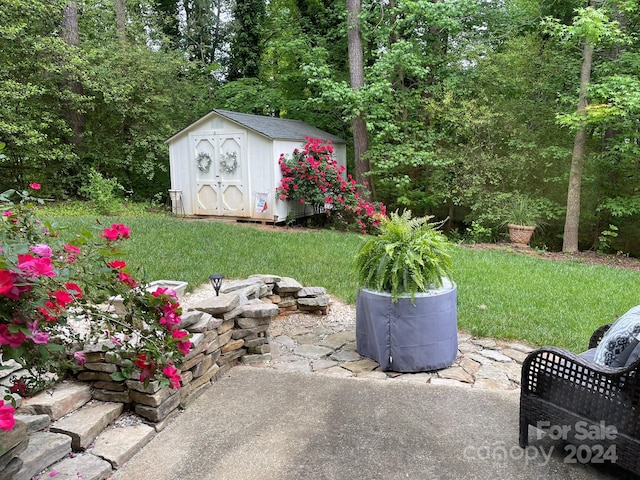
(586, 257)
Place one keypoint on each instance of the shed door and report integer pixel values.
(220, 173)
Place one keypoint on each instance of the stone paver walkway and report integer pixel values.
(312, 343)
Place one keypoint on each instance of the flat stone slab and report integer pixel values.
(364, 365)
(494, 374)
(307, 338)
(288, 285)
(117, 445)
(320, 301)
(467, 347)
(284, 341)
(512, 370)
(312, 351)
(66, 398)
(521, 348)
(84, 466)
(233, 285)
(152, 399)
(267, 278)
(34, 423)
(207, 322)
(260, 310)
(480, 358)
(516, 355)
(311, 292)
(156, 414)
(463, 337)
(338, 339)
(346, 356)
(8, 472)
(223, 303)
(189, 318)
(252, 291)
(456, 373)
(485, 342)
(470, 366)
(13, 437)
(45, 449)
(85, 424)
(494, 355)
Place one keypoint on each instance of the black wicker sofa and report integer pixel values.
(584, 403)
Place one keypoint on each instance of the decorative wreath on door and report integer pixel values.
(203, 161)
(229, 162)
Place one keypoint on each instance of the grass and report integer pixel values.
(501, 295)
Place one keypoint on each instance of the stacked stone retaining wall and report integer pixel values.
(226, 329)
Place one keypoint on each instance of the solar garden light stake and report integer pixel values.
(216, 282)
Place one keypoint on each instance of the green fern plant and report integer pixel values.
(408, 256)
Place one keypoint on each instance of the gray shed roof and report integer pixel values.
(278, 128)
(270, 127)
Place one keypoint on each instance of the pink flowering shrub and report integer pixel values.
(49, 287)
(313, 177)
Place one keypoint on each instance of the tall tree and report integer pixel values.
(204, 33)
(356, 77)
(120, 7)
(572, 219)
(409, 67)
(33, 125)
(71, 36)
(591, 26)
(246, 39)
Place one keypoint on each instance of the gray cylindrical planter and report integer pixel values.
(406, 336)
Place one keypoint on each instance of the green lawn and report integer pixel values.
(501, 295)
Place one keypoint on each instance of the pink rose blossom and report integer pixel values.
(14, 340)
(116, 232)
(117, 264)
(41, 249)
(172, 374)
(6, 417)
(80, 358)
(36, 267)
(6, 281)
(35, 186)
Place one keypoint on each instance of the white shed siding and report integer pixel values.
(256, 177)
(260, 159)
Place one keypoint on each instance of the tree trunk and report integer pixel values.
(356, 76)
(70, 24)
(71, 37)
(121, 18)
(572, 219)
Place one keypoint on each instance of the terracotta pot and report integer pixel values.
(520, 234)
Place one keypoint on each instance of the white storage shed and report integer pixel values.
(226, 164)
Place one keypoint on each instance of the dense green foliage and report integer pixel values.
(467, 103)
(500, 294)
(407, 257)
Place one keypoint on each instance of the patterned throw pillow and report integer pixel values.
(621, 339)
